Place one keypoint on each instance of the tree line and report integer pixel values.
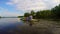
(54, 13)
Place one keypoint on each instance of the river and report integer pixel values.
(17, 26)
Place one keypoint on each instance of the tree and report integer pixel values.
(38, 15)
(26, 14)
(46, 13)
(33, 13)
(43, 14)
(20, 16)
(56, 11)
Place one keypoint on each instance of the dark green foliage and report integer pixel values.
(56, 12)
(33, 13)
(43, 14)
(20, 16)
(38, 15)
(46, 14)
(26, 14)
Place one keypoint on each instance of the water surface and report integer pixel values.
(7, 24)
(17, 26)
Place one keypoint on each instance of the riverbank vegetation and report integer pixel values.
(53, 13)
(20, 16)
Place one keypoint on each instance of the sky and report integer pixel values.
(19, 7)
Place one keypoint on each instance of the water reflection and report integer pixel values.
(12, 23)
(29, 22)
(9, 24)
(17, 26)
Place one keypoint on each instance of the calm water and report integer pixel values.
(7, 24)
(16, 26)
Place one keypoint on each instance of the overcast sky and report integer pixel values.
(19, 7)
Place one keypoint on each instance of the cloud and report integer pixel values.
(27, 5)
(5, 12)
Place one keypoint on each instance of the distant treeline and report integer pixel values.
(53, 13)
(20, 16)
